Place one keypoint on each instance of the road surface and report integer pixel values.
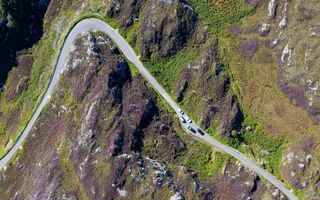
(93, 24)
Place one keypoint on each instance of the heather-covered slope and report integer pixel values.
(274, 66)
(246, 71)
(105, 135)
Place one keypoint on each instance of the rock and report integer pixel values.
(283, 22)
(231, 117)
(308, 159)
(125, 11)
(242, 183)
(314, 31)
(272, 8)
(295, 167)
(265, 153)
(206, 76)
(158, 178)
(165, 27)
(248, 128)
(177, 196)
(304, 184)
(209, 113)
(301, 166)
(121, 192)
(265, 29)
(235, 30)
(286, 54)
(182, 89)
(254, 3)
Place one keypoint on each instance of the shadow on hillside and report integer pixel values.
(13, 40)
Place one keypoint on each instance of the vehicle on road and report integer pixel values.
(181, 112)
(192, 129)
(200, 131)
(188, 120)
(182, 119)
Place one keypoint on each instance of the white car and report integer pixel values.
(182, 119)
(188, 120)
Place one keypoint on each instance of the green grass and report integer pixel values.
(129, 34)
(167, 70)
(26, 102)
(260, 141)
(219, 13)
(206, 160)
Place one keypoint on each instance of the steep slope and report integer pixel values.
(104, 135)
(246, 83)
(274, 68)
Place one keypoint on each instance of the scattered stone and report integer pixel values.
(283, 22)
(265, 29)
(248, 128)
(304, 184)
(121, 192)
(302, 166)
(265, 153)
(158, 178)
(308, 158)
(286, 54)
(177, 196)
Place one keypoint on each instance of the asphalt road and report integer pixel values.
(93, 24)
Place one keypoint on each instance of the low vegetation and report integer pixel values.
(206, 160)
(166, 70)
(70, 177)
(219, 13)
(267, 147)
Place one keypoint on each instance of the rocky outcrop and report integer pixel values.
(298, 53)
(300, 166)
(205, 76)
(165, 27)
(126, 12)
(104, 135)
(231, 116)
(243, 182)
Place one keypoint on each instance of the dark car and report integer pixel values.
(200, 131)
(192, 129)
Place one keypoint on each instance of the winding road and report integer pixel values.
(93, 24)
